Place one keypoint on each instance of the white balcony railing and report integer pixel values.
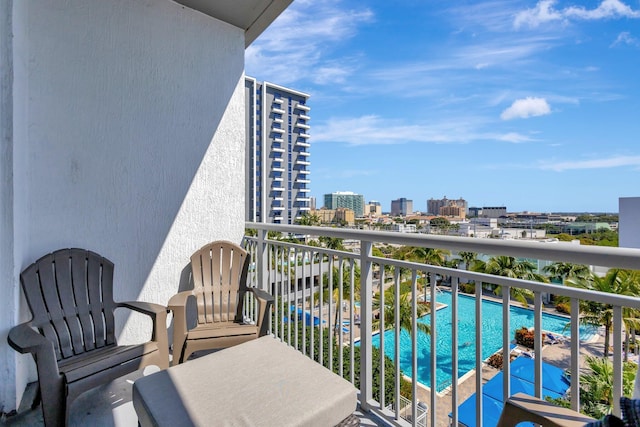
(296, 275)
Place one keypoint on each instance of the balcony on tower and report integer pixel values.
(302, 125)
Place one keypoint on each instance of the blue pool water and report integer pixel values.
(491, 337)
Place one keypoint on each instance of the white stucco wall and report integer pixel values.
(128, 139)
(629, 222)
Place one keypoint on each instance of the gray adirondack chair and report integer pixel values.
(219, 272)
(70, 294)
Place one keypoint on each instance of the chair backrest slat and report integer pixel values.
(95, 301)
(65, 292)
(81, 297)
(70, 293)
(49, 288)
(219, 276)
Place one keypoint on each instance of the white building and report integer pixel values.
(123, 132)
(629, 222)
(278, 162)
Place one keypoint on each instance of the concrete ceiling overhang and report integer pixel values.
(253, 16)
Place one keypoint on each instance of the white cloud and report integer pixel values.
(514, 137)
(295, 45)
(625, 38)
(374, 130)
(527, 107)
(544, 12)
(606, 9)
(611, 162)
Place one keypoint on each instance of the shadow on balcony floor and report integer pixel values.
(106, 406)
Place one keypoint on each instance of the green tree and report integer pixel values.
(599, 314)
(342, 284)
(389, 366)
(332, 243)
(564, 270)
(307, 218)
(405, 312)
(508, 266)
(439, 223)
(596, 392)
(428, 256)
(468, 258)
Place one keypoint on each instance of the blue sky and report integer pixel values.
(534, 105)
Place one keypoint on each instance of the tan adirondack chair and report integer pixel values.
(219, 272)
(70, 294)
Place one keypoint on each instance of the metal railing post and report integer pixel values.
(617, 359)
(575, 353)
(262, 260)
(366, 305)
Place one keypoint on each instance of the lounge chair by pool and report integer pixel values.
(555, 339)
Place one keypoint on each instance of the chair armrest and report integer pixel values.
(143, 307)
(178, 306)
(262, 295)
(265, 301)
(179, 300)
(158, 314)
(24, 339)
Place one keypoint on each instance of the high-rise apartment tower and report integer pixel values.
(277, 161)
(345, 199)
(401, 207)
(434, 205)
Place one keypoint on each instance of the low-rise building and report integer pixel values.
(335, 216)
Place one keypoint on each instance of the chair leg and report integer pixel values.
(54, 403)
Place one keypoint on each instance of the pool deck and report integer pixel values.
(558, 354)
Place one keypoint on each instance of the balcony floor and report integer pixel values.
(108, 405)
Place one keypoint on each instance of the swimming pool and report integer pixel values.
(491, 337)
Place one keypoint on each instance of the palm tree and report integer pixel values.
(565, 270)
(468, 258)
(632, 279)
(508, 266)
(404, 312)
(598, 314)
(597, 385)
(332, 242)
(309, 219)
(428, 256)
(343, 286)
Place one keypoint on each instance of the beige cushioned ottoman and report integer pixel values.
(263, 382)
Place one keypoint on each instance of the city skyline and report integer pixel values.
(530, 105)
